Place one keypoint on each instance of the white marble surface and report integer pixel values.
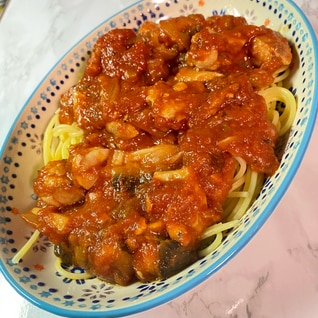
(276, 275)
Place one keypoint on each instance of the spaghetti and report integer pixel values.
(162, 146)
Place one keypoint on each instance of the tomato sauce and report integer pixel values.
(165, 111)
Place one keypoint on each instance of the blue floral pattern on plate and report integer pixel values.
(35, 276)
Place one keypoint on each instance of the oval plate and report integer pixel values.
(35, 277)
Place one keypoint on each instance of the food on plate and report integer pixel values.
(162, 145)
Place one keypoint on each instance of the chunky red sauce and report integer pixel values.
(164, 112)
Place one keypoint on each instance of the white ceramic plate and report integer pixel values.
(35, 278)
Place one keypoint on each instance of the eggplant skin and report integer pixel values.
(174, 258)
(64, 253)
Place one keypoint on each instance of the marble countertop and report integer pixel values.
(275, 275)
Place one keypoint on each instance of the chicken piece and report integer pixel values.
(171, 105)
(113, 57)
(203, 53)
(271, 51)
(55, 188)
(85, 164)
(221, 23)
(49, 221)
(53, 224)
(151, 34)
(179, 200)
(211, 50)
(111, 262)
(85, 100)
(180, 29)
(155, 158)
